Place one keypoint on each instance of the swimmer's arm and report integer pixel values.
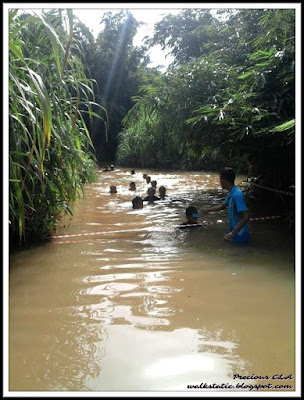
(215, 208)
(239, 226)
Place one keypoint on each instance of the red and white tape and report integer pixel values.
(77, 235)
(178, 226)
(222, 221)
(263, 218)
(71, 241)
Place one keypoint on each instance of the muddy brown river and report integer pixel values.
(140, 305)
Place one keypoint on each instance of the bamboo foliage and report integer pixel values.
(51, 153)
(235, 99)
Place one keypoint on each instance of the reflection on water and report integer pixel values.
(141, 305)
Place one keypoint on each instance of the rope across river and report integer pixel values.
(204, 223)
(270, 189)
(220, 221)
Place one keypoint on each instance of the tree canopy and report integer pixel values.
(117, 67)
(229, 96)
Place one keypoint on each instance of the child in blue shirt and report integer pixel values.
(237, 210)
(192, 215)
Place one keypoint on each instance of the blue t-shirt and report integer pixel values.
(236, 203)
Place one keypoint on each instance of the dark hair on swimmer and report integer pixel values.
(136, 200)
(228, 174)
(191, 210)
(151, 190)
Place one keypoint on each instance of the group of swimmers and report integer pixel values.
(235, 202)
(137, 202)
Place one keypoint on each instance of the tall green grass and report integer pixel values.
(51, 155)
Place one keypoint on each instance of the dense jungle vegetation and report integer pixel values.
(75, 102)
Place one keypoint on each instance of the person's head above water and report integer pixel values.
(132, 186)
(132, 171)
(191, 214)
(154, 184)
(148, 179)
(112, 167)
(151, 195)
(162, 192)
(227, 177)
(151, 191)
(145, 176)
(137, 202)
(113, 189)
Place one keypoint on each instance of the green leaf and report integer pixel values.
(285, 126)
(245, 75)
(45, 103)
(265, 64)
(16, 50)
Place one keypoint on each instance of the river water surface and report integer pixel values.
(141, 305)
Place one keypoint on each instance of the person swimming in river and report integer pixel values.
(154, 184)
(145, 176)
(132, 186)
(148, 179)
(151, 196)
(113, 189)
(192, 215)
(162, 192)
(112, 167)
(137, 203)
(133, 172)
